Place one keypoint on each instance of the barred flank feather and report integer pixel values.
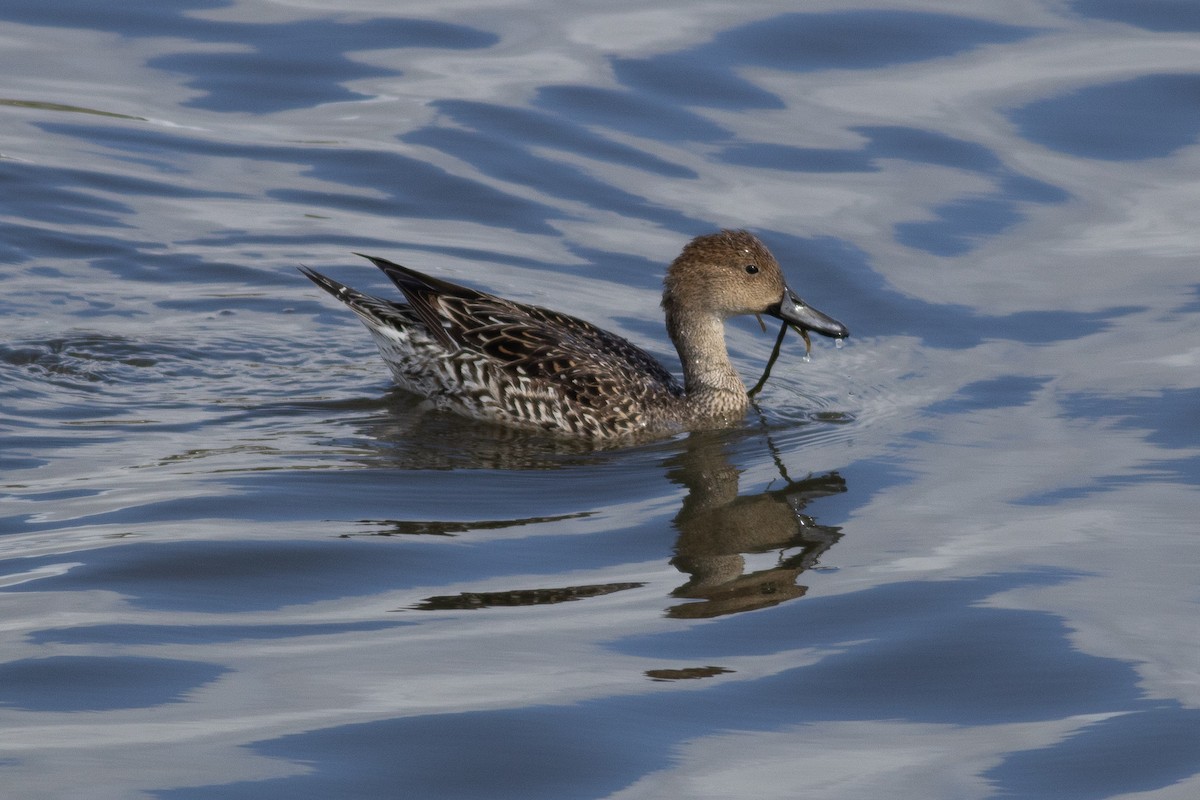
(494, 359)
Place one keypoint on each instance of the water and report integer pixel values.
(954, 559)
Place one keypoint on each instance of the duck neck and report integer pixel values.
(712, 385)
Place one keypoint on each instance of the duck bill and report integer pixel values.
(799, 314)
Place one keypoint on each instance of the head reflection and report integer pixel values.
(718, 528)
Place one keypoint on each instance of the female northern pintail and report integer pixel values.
(521, 365)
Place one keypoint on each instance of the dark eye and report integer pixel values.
(752, 269)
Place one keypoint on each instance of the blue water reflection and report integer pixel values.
(532, 128)
(246, 577)
(1100, 760)
(291, 65)
(1169, 417)
(1155, 15)
(499, 156)
(135, 19)
(412, 187)
(1148, 117)
(524, 754)
(100, 683)
(302, 64)
(629, 113)
(202, 634)
(704, 75)
(960, 224)
(1000, 392)
(835, 268)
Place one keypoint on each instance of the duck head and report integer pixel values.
(731, 273)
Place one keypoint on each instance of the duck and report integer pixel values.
(524, 366)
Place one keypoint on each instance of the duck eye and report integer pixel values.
(752, 269)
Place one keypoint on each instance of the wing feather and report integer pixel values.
(601, 375)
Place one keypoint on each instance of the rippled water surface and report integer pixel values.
(956, 558)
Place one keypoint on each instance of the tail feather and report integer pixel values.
(427, 297)
(410, 281)
(375, 311)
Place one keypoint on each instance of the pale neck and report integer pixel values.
(710, 381)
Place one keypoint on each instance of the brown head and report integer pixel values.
(730, 273)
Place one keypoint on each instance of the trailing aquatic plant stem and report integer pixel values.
(770, 361)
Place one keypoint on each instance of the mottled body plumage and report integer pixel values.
(498, 360)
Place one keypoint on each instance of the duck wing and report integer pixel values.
(587, 364)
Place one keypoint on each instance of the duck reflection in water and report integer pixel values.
(717, 527)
